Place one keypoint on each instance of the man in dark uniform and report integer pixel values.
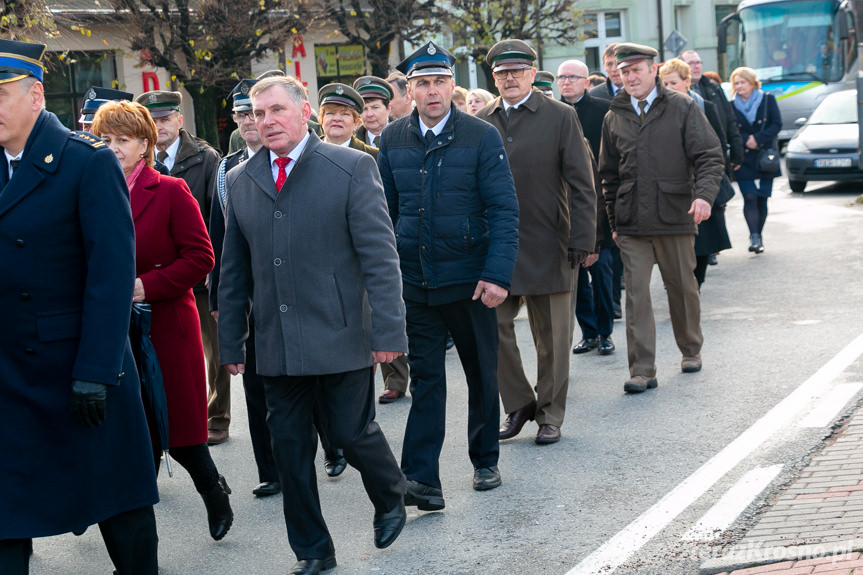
(196, 162)
(256, 403)
(75, 447)
(594, 309)
(452, 200)
(376, 93)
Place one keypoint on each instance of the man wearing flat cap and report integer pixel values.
(452, 202)
(376, 93)
(76, 450)
(195, 161)
(554, 181)
(655, 197)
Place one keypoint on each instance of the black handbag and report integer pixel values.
(726, 192)
(768, 158)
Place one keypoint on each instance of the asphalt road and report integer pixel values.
(770, 322)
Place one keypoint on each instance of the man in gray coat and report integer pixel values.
(309, 240)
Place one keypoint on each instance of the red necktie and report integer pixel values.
(283, 174)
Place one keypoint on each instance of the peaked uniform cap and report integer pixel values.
(628, 53)
(428, 60)
(240, 95)
(510, 55)
(160, 103)
(341, 94)
(18, 60)
(96, 96)
(374, 87)
(543, 80)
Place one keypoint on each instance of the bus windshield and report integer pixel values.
(792, 41)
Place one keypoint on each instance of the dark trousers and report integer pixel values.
(348, 401)
(197, 461)
(474, 331)
(594, 305)
(256, 406)
(130, 538)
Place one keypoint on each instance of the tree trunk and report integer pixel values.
(206, 113)
(379, 59)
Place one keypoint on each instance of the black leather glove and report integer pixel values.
(575, 257)
(88, 402)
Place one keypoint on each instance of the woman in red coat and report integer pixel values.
(173, 253)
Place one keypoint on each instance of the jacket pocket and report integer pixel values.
(338, 304)
(674, 200)
(623, 203)
(60, 325)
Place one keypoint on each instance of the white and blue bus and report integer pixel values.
(801, 50)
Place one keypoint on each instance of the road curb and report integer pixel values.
(772, 555)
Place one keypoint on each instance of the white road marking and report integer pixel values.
(829, 407)
(720, 517)
(617, 550)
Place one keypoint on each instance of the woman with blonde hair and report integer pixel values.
(477, 99)
(172, 254)
(759, 121)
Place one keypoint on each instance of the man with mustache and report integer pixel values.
(554, 181)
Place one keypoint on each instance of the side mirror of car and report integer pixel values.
(799, 122)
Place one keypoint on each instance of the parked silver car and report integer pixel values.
(825, 147)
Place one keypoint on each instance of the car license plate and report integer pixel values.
(833, 163)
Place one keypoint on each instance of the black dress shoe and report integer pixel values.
(335, 463)
(586, 345)
(424, 497)
(449, 342)
(618, 313)
(220, 516)
(486, 478)
(389, 525)
(606, 346)
(312, 566)
(711, 260)
(516, 420)
(267, 488)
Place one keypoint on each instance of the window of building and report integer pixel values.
(69, 75)
(600, 30)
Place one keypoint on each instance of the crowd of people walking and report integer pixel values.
(404, 216)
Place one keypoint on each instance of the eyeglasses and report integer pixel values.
(240, 116)
(516, 74)
(569, 77)
(694, 62)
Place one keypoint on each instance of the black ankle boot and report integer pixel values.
(759, 244)
(220, 516)
(753, 243)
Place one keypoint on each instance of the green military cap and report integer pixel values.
(20, 59)
(544, 80)
(160, 103)
(511, 55)
(374, 87)
(628, 53)
(341, 94)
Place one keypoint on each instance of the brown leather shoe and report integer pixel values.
(516, 420)
(691, 364)
(390, 395)
(547, 434)
(217, 436)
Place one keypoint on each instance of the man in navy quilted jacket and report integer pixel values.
(452, 200)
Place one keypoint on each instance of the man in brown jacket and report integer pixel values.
(660, 164)
(551, 166)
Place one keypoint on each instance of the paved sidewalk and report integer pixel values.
(816, 526)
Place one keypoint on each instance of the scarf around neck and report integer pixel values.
(749, 108)
(133, 175)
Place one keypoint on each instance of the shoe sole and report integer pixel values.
(546, 441)
(486, 486)
(633, 388)
(692, 369)
(424, 503)
(387, 400)
(579, 351)
(606, 351)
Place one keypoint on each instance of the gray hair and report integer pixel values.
(294, 88)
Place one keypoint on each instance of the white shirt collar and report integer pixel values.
(650, 98)
(250, 152)
(9, 161)
(506, 106)
(346, 143)
(172, 154)
(294, 155)
(438, 128)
